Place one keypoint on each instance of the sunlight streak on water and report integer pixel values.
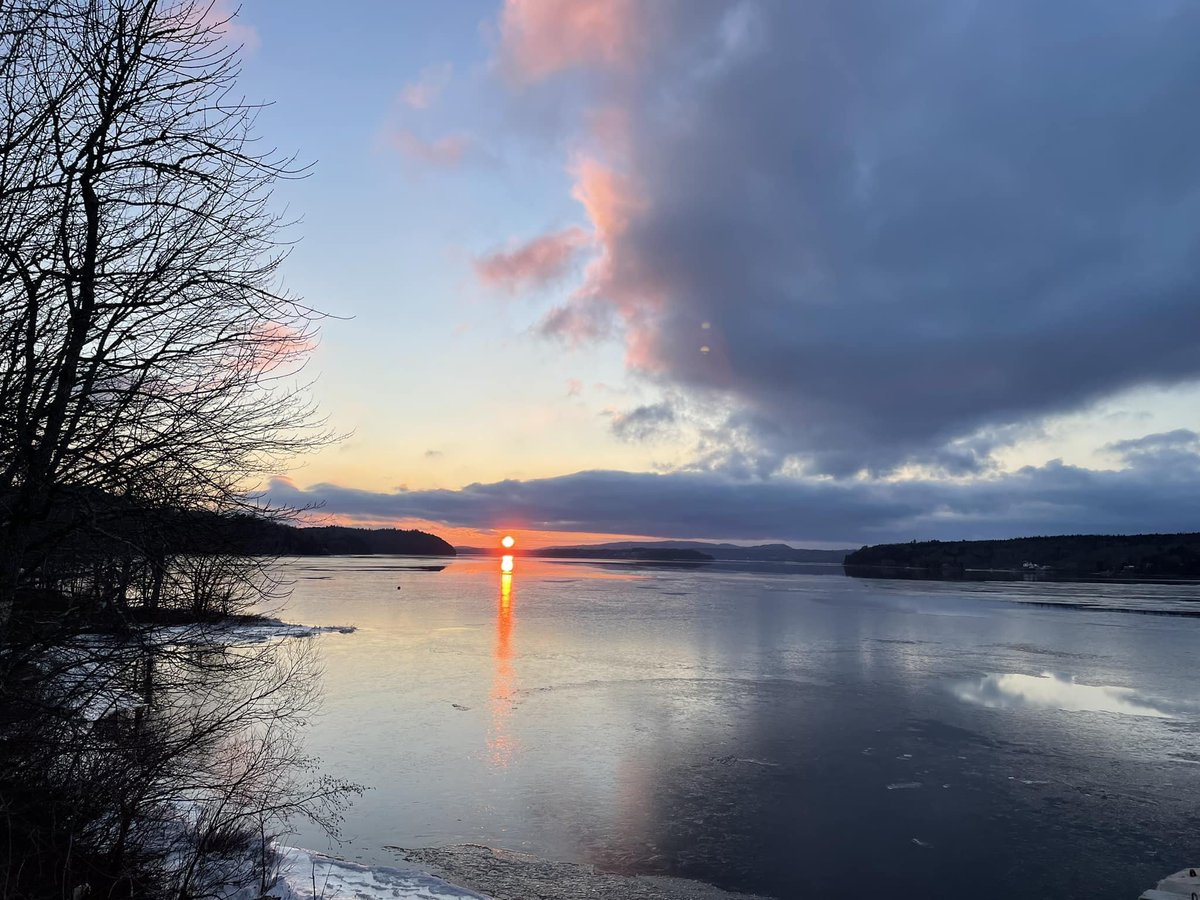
(504, 682)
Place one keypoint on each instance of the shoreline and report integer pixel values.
(874, 571)
(309, 875)
(510, 875)
(473, 872)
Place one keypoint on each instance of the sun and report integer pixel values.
(507, 541)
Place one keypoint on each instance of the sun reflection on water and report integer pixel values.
(500, 742)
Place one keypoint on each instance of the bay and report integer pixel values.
(773, 729)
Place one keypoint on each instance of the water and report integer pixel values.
(773, 731)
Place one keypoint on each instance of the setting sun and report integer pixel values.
(507, 541)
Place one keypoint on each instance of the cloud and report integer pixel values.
(223, 17)
(273, 348)
(534, 264)
(1050, 499)
(644, 423)
(444, 152)
(1170, 451)
(578, 322)
(1179, 439)
(422, 93)
(610, 200)
(906, 226)
(542, 37)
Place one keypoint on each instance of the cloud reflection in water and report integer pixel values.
(1051, 691)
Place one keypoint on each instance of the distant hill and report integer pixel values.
(83, 519)
(645, 554)
(275, 538)
(760, 553)
(1077, 555)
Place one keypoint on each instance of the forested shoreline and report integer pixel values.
(1132, 556)
(282, 539)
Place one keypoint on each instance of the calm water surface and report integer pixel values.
(774, 731)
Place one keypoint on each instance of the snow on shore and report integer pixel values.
(268, 629)
(506, 875)
(251, 631)
(305, 875)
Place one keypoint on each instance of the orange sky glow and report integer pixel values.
(487, 538)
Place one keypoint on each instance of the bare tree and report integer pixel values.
(149, 351)
(150, 375)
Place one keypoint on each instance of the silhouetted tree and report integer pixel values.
(149, 352)
(150, 367)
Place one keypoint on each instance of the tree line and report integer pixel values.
(1078, 555)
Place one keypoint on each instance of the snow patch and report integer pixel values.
(252, 632)
(305, 875)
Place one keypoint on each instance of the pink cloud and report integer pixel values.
(611, 201)
(539, 38)
(536, 263)
(445, 151)
(542, 37)
(607, 196)
(222, 18)
(273, 346)
(422, 93)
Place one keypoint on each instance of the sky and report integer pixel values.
(805, 270)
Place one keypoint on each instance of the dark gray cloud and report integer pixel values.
(1179, 439)
(895, 224)
(1152, 495)
(1170, 451)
